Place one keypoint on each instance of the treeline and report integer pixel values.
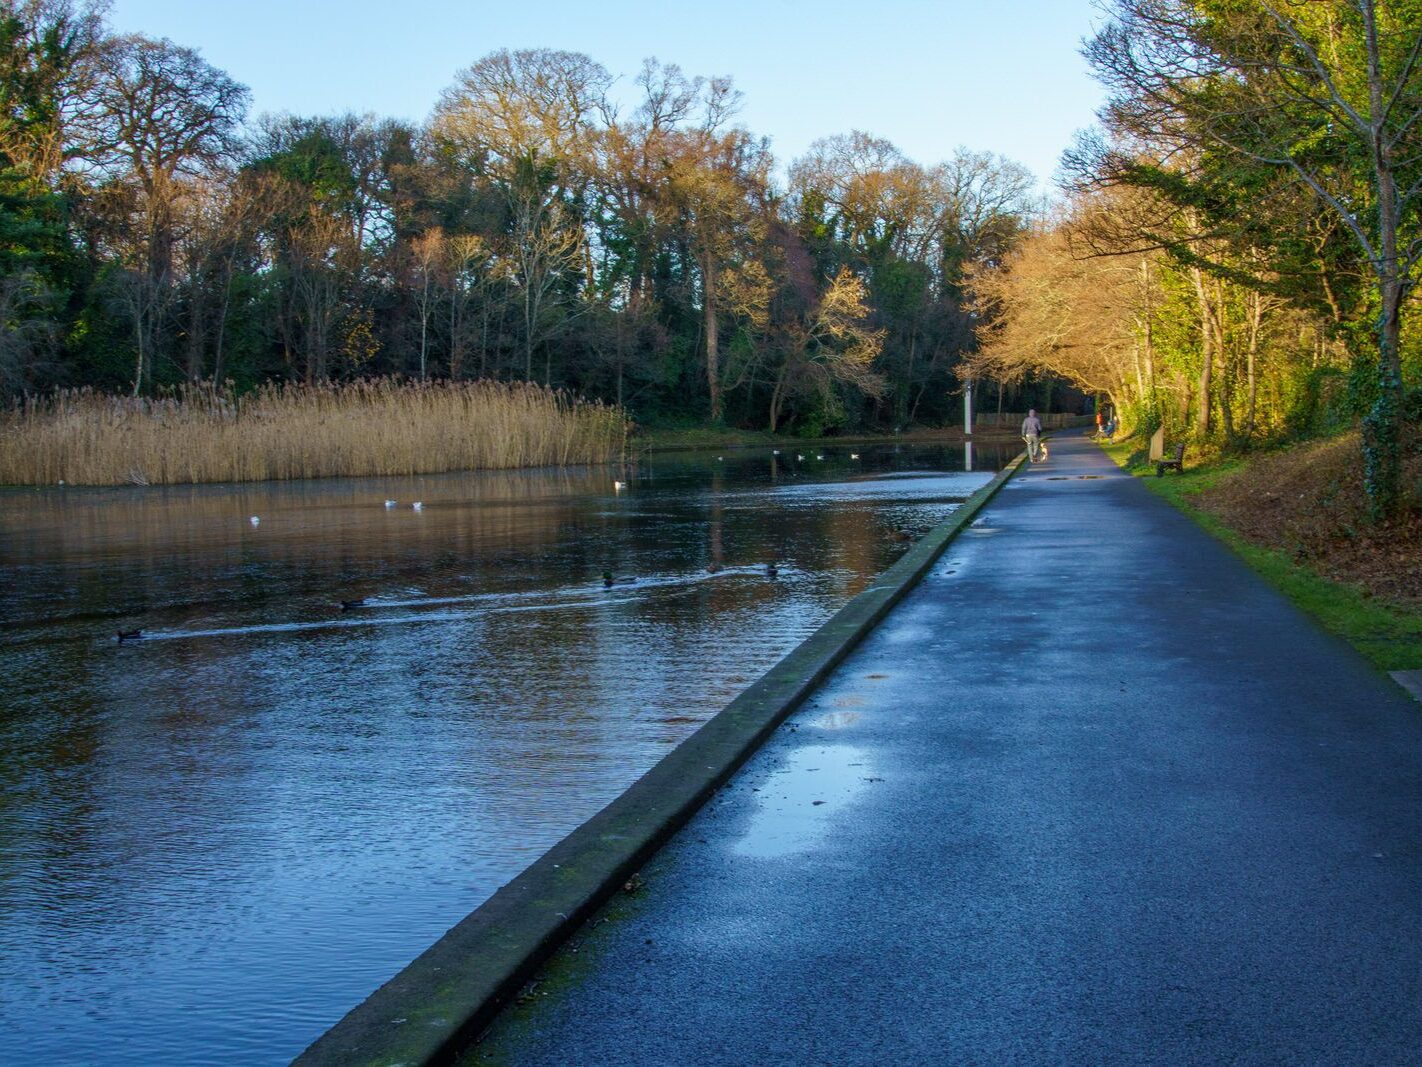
(1240, 247)
(151, 236)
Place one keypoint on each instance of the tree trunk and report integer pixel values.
(1207, 356)
(1140, 378)
(1150, 361)
(713, 357)
(196, 329)
(1222, 350)
(424, 324)
(138, 345)
(527, 335)
(1256, 324)
(776, 395)
(483, 339)
(222, 322)
(927, 377)
(901, 402)
(1382, 427)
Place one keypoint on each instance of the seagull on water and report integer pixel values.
(391, 503)
(418, 505)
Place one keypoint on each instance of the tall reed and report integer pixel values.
(380, 427)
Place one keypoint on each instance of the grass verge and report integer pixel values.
(682, 438)
(1387, 633)
(679, 438)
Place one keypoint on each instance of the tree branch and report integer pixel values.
(1361, 125)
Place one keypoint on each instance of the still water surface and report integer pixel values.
(216, 840)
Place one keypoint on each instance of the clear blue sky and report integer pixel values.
(999, 76)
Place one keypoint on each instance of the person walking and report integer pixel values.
(1032, 434)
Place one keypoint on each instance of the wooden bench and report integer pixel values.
(1175, 462)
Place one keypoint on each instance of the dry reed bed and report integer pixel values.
(284, 431)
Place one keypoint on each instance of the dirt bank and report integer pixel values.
(1309, 502)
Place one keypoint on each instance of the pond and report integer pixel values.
(218, 837)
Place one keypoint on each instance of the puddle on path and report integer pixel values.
(836, 720)
(799, 801)
(906, 633)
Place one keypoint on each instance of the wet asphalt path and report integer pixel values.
(1092, 793)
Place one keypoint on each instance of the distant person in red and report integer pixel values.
(1032, 434)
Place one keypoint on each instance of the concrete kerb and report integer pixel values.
(439, 1004)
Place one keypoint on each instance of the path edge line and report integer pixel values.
(439, 1004)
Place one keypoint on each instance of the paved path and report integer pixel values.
(1092, 793)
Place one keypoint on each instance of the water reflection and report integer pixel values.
(216, 840)
(800, 801)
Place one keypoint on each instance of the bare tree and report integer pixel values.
(719, 182)
(546, 255)
(981, 202)
(1046, 310)
(48, 116)
(428, 253)
(469, 269)
(833, 342)
(880, 203)
(516, 107)
(166, 117)
(317, 245)
(525, 119)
